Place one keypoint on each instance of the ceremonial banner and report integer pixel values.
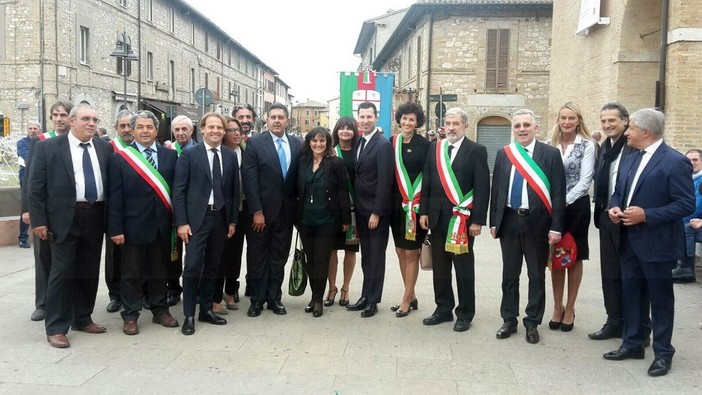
(368, 86)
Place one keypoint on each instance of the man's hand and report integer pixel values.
(553, 238)
(475, 230)
(41, 231)
(633, 215)
(373, 221)
(118, 240)
(615, 214)
(424, 222)
(184, 233)
(231, 231)
(259, 222)
(344, 227)
(493, 232)
(696, 223)
(25, 218)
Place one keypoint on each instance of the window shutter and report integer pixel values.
(503, 60)
(491, 61)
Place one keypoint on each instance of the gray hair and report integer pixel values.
(649, 119)
(34, 123)
(75, 109)
(123, 114)
(182, 118)
(525, 111)
(457, 111)
(145, 114)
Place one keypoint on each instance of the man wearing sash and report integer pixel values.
(42, 253)
(527, 214)
(454, 205)
(113, 252)
(140, 218)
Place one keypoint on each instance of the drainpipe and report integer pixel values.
(138, 97)
(660, 100)
(429, 49)
(42, 60)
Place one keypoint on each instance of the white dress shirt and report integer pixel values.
(154, 153)
(210, 158)
(648, 153)
(286, 147)
(525, 194)
(77, 159)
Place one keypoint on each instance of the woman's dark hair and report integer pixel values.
(349, 123)
(410, 108)
(307, 151)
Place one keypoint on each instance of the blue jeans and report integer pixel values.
(692, 236)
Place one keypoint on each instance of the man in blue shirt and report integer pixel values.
(33, 129)
(684, 272)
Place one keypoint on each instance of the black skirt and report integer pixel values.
(577, 222)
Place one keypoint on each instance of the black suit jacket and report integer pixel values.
(472, 172)
(337, 187)
(264, 186)
(602, 203)
(549, 160)
(133, 207)
(193, 184)
(52, 193)
(374, 173)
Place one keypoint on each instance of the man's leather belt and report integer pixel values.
(211, 207)
(86, 205)
(522, 212)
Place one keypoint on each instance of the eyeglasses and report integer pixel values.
(233, 130)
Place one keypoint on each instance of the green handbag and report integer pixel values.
(298, 276)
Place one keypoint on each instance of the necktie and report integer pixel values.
(217, 181)
(632, 174)
(150, 157)
(89, 175)
(281, 157)
(450, 150)
(360, 147)
(515, 198)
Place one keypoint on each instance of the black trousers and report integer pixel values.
(373, 245)
(610, 269)
(518, 242)
(232, 255)
(203, 255)
(42, 268)
(113, 268)
(266, 254)
(144, 264)
(75, 270)
(318, 243)
(464, 265)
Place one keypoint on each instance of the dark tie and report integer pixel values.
(217, 181)
(450, 150)
(89, 175)
(150, 157)
(515, 198)
(360, 147)
(632, 174)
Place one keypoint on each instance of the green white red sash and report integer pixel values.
(174, 145)
(118, 144)
(411, 192)
(351, 231)
(531, 172)
(457, 234)
(138, 162)
(47, 135)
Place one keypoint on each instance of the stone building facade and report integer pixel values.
(60, 50)
(621, 61)
(488, 57)
(308, 115)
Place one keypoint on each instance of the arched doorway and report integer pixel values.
(494, 133)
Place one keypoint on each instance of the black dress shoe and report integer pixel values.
(660, 367)
(607, 332)
(277, 308)
(24, 244)
(623, 353)
(370, 310)
(461, 325)
(309, 307)
(236, 297)
(506, 330)
(437, 319)
(113, 306)
(254, 310)
(317, 310)
(532, 335)
(212, 318)
(188, 326)
(173, 298)
(359, 305)
(38, 315)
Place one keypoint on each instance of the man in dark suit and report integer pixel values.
(205, 192)
(446, 212)
(527, 215)
(67, 183)
(654, 192)
(42, 252)
(270, 173)
(373, 186)
(614, 119)
(140, 220)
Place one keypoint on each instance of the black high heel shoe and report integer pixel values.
(554, 325)
(309, 307)
(331, 296)
(414, 305)
(344, 297)
(317, 310)
(568, 327)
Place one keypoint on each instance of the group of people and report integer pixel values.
(347, 188)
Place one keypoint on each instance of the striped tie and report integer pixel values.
(150, 157)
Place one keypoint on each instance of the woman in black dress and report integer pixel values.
(410, 151)
(322, 187)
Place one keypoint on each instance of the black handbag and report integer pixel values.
(298, 276)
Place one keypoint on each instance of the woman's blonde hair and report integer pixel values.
(556, 133)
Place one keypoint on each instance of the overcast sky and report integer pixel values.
(308, 42)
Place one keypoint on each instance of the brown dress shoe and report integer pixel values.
(91, 328)
(58, 341)
(130, 328)
(166, 320)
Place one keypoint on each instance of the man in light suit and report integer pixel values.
(654, 193)
(204, 194)
(66, 196)
(270, 175)
(468, 162)
(527, 216)
(140, 220)
(373, 185)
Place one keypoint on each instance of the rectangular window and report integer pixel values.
(229, 91)
(207, 80)
(149, 10)
(497, 60)
(230, 56)
(84, 45)
(149, 66)
(307, 122)
(123, 3)
(216, 92)
(171, 20)
(171, 80)
(219, 50)
(192, 33)
(123, 67)
(192, 85)
(207, 42)
(419, 61)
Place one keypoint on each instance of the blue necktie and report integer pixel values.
(281, 157)
(515, 198)
(89, 175)
(150, 157)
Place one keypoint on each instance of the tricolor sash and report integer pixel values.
(47, 135)
(174, 145)
(531, 172)
(351, 231)
(457, 234)
(411, 192)
(118, 144)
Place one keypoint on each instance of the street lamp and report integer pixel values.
(123, 51)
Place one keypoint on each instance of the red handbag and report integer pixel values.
(564, 253)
